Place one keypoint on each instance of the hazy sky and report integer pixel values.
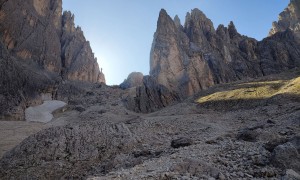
(121, 31)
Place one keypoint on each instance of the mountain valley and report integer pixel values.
(215, 105)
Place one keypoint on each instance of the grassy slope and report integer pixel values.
(261, 89)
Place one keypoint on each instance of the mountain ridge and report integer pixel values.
(185, 59)
(197, 50)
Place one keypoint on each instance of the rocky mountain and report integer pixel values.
(41, 48)
(185, 59)
(288, 19)
(134, 79)
(77, 58)
(247, 129)
(145, 94)
(189, 58)
(149, 96)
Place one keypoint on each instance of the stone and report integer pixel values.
(196, 168)
(21, 86)
(271, 145)
(271, 122)
(181, 142)
(259, 160)
(287, 155)
(221, 176)
(168, 62)
(41, 49)
(288, 19)
(247, 135)
(79, 108)
(291, 175)
(78, 60)
(134, 79)
(32, 32)
(63, 151)
(190, 58)
(149, 97)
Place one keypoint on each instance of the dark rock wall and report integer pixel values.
(78, 60)
(288, 19)
(31, 30)
(40, 48)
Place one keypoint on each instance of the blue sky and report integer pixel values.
(121, 32)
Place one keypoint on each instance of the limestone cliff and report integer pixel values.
(78, 60)
(189, 58)
(36, 30)
(31, 31)
(288, 19)
(41, 47)
(149, 96)
(171, 62)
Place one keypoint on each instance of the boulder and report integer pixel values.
(134, 79)
(149, 97)
(181, 142)
(287, 155)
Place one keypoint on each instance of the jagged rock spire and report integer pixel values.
(288, 19)
(232, 30)
(188, 59)
(177, 21)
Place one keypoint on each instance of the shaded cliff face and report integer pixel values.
(78, 60)
(172, 64)
(189, 58)
(36, 30)
(288, 19)
(31, 30)
(149, 96)
(40, 47)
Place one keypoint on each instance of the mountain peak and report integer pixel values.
(165, 23)
(197, 12)
(288, 19)
(177, 21)
(163, 13)
(197, 19)
(232, 30)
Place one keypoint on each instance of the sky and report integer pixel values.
(121, 31)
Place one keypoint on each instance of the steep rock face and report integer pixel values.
(149, 97)
(40, 47)
(78, 60)
(170, 62)
(31, 31)
(288, 19)
(189, 58)
(279, 52)
(134, 79)
(21, 85)
(36, 30)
